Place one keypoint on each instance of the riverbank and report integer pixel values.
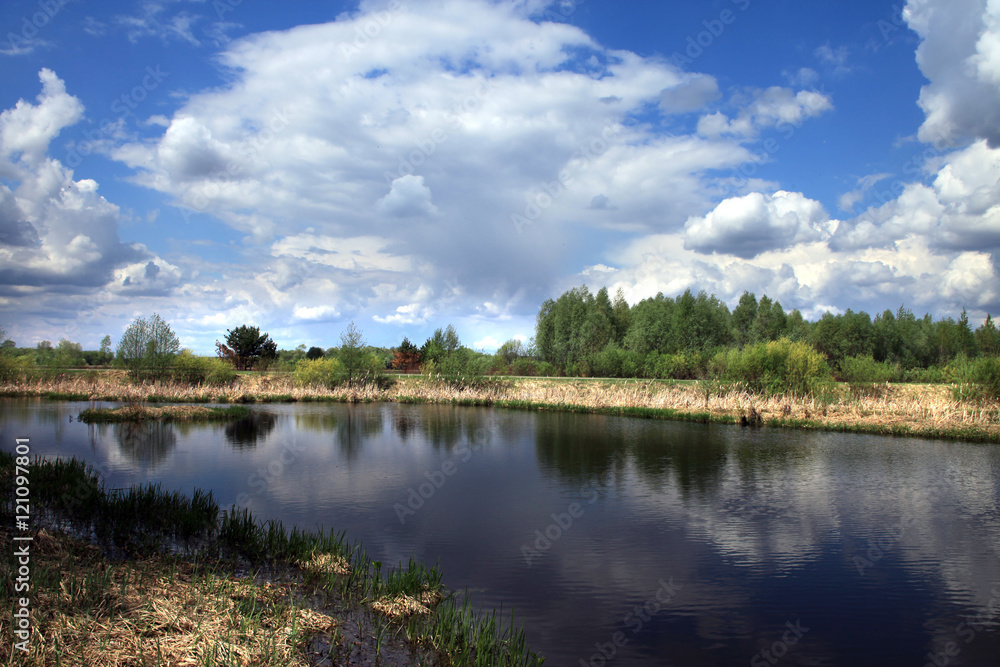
(911, 410)
(143, 576)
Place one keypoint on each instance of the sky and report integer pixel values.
(409, 164)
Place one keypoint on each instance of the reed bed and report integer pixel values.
(925, 410)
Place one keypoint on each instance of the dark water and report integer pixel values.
(616, 541)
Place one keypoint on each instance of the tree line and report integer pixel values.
(581, 333)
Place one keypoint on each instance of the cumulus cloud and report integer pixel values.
(758, 109)
(407, 197)
(457, 146)
(60, 252)
(960, 54)
(755, 223)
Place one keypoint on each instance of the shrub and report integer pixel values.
(326, 372)
(865, 370)
(775, 367)
(975, 380)
(197, 371)
(16, 369)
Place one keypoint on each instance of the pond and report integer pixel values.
(614, 540)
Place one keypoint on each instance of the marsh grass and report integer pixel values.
(942, 411)
(304, 596)
(138, 412)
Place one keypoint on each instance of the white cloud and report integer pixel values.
(959, 55)
(407, 197)
(488, 343)
(758, 109)
(750, 225)
(413, 151)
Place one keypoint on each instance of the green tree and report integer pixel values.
(314, 353)
(743, 319)
(105, 354)
(620, 316)
(352, 352)
(988, 338)
(247, 348)
(147, 347)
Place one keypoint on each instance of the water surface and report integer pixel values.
(615, 540)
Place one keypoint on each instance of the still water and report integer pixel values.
(615, 541)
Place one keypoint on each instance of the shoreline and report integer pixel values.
(170, 579)
(925, 411)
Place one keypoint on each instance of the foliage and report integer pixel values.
(407, 357)
(865, 370)
(147, 347)
(774, 367)
(197, 371)
(327, 372)
(16, 368)
(314, 353)
(975, 380)
(442, 344)
(352, 355)
(247, 348)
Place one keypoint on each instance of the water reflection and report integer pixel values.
(147, 443)
(357, 424)
(247, 432)
(761, 527)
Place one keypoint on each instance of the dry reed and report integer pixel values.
(918, 409)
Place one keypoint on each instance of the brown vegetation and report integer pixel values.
(915, 409)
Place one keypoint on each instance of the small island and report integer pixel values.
(171, 413)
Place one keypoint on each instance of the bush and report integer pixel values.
(680, 366)
(775, 367)
(16, 369)
(865, 370)
(202, 370)
(975, 380)
(326, 372)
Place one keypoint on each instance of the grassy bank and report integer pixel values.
(165, 579)
(170, 413)
(897, 409)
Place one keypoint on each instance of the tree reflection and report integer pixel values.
(355, 425)
(146, 443)
(246, 433)
(584, 447)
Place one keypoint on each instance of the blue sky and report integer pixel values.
(407, 164)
